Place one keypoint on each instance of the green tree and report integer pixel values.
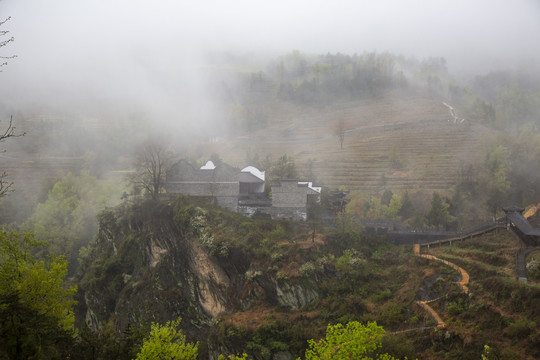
(376, 210)
(36, 310)
(407, 207)
(167, 342)
(498, 163)
(438, 215)
(66, 220)
(386, 197)
(394, 207)
(353, 341)
(283, 168)
(498, 158)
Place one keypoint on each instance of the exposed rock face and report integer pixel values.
(295, 296)
(212, 281)
(147, 265)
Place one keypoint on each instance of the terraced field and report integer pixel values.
(397, 144)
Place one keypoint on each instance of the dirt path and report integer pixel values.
(462, 283)
(433, 313)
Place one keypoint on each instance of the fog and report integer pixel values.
(132, 56)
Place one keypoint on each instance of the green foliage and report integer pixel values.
(282, 276)
(167, 342)
(279, 233)
(407, 207)
(498, 159)
(439, 215)
(387, 207)
(393, 314)
(67, 218)
(382, 296)
(349, 261)
(386, 197)
(533, 267)
(521, 328)
(233, 357)
(106, 343)
(262, 351)
(348, 225)
(320, 80)
(308, 268)
(353, 341)
(36, 310)
(251, 274)
(456, 307)
(193, 221)
(283, 168)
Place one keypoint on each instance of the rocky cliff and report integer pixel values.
(155, 261)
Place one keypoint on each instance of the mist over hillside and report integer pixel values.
(406, 122)
(92, 81)
(96, 59)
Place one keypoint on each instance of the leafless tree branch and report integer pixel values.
(9, 132)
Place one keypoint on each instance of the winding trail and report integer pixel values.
(462, 284)
(433, 313)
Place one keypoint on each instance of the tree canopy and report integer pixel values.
(36, 309)
(439, 215)
(353, 341)
(167, 342)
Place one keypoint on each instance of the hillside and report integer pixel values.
(396, 142)
(264, 287)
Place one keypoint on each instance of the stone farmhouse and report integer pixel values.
(243, 191)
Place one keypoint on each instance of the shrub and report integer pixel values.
(252, 274)
(282, 276)
(533, 268)
(278, 233)
(456, 307)
(382, 296)
(392, 314)
(276, 256)
(521, 328)
(307, 269)
(349, 260)
(263, 352)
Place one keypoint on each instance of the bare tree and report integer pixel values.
(151, 162)
(3, 35)
(339, 130)
(5, 185)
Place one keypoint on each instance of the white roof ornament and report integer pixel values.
(208, 166)
(254, 171)
(310, 186)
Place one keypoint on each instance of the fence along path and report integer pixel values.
(462, 283)
(483, 229)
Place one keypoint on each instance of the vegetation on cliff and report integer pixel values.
(266, 287)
